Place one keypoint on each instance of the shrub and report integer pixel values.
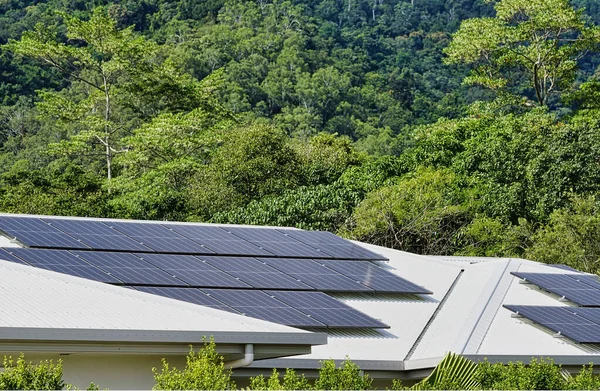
(27, 376)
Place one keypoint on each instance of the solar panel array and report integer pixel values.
(581, 289)
(274, 274)
(179, 238)
(582, 325)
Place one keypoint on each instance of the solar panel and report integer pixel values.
(277, 243)
(327, 310)
(260, 305)
(562, 321)
(218, 240)
(255, 273)
(129, 268)
(566, 285)
(591, 314)
(317, 276)
(583, 297)
(190, 295)
(88, 272)
(374, 277)
(28, 224)
(6, 256)
(38, 257)
(333, 245)
(193, 271)
(48, 239)
(159, 238)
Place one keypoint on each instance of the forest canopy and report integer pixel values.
(463, 127)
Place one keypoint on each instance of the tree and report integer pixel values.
(542, 40)
(24, 375)
(347, 376)
(116, 78)
(204, 370)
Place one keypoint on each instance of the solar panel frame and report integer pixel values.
(27, 224)
(36, 257)
(48, 240)
(333, 245)
(83, 271)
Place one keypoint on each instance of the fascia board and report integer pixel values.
(159, 336)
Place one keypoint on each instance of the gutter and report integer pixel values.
(242, 362)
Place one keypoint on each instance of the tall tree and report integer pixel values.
(541, 40)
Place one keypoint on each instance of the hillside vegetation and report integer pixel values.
(439, 127)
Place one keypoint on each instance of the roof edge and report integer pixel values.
(159, 336)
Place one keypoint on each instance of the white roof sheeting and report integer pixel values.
(39, 304)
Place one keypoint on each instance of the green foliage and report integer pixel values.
(539, 374)
(347, 376)
(454, 372)
(290, 381)
(420, 213)
(204, 370)
(570, 237)
(542, 39)
(21, 375)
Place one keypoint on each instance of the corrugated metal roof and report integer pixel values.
(35, 298)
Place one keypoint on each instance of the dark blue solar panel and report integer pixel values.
(260, 305)
(333, 245)
(374, 277)
(143, 229)
(327, 310)
(82, 227)
(234, 264)
(190, 295)
(255, 273)
(566, 285)
(176, 262)
(276, 243)
(112, 242)
(29, 224)
(38, 257)
(129, 268)
(200, 232)
(591, 314)
(6, 256)
(88, 272)
(316, 275)
(561, 320)
(552, 282)
(218, 240)
(48, 239)
(172, 245)
(583, 297)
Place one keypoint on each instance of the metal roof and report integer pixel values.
(40, 306)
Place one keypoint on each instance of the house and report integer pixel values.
(393, 313)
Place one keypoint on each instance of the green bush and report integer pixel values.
(204, 370)
(347, 376)
(27, 376)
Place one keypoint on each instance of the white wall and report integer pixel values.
(115, 372)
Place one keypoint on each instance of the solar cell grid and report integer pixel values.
(302, 266)
(591, 314)
(200, 231)
(6, 256)
(143, 229)
(583, 297)
(261, 235)
(172, 245)
(289, 249)
(231, 247)
(331, 282)
(112, 259)
(178, 262)
(545, 315)
(580, 333)
(243, 298)
(282, 315)
(231, 264)
(302, 300)
(82, 227)
(314, 237)
(143, 276)
(274, 280)
(38, 257)
(111, 242)
(189, 295)
(591, 281)
(29, 224)
(48, 239)
(87, 272)
(552, 281)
